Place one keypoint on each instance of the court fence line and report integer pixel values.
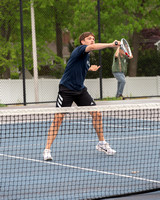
(48, 89)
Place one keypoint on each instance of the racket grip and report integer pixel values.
(116, 43)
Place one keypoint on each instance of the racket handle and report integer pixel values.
(116, 43)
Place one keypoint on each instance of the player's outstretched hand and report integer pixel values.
(94, 68)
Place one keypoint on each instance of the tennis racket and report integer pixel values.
(125, 47)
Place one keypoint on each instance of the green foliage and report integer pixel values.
(118, 19)
(85, 19)
(148, 63)
(10, 37)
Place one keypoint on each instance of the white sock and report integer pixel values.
(102, 142)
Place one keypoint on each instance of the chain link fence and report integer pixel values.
(34, 50)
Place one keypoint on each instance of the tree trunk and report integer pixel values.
(7, 73)
(59, 44)
(133, 62)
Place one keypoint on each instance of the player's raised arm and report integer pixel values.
(99, 46)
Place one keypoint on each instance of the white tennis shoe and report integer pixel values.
(105, 148)
(47, 154)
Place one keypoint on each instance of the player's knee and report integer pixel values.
(99, 115)
(58, 117)
(96, 115)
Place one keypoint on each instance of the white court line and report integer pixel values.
(81, 168)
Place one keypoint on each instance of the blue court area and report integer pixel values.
(78, 170)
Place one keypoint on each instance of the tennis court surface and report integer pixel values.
(78, 170)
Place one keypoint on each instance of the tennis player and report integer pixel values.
(119, 69)
(72, 89)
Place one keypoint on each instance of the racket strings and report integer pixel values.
(125, 46)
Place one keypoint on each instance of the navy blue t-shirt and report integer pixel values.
(76, 69)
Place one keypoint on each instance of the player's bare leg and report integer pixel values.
(52, 133)
(98, 125)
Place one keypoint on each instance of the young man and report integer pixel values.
(119, 69)
(72, 89)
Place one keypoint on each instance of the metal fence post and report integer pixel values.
(100, 57)
(22, 51)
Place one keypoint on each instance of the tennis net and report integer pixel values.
(78, 170)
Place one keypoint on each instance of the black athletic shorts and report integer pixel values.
(66, 97)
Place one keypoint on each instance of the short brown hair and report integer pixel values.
(84, 35)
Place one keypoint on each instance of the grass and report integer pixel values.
(3, 105)
(111, 99)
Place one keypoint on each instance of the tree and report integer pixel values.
(46, 24)
(128, 18)
(8, 19)
(60, 14)
(118, 19)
